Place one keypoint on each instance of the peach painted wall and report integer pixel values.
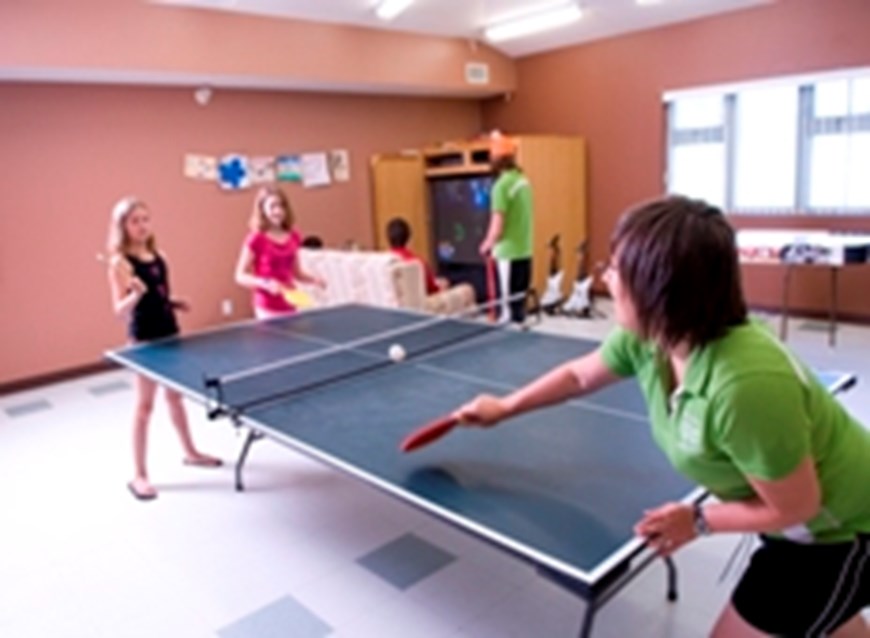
(129, 39)
(70, 151)
(610, 93)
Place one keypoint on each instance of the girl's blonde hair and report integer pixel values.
(258, 221)
(118, 241)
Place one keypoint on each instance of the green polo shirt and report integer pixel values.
(511, 198)
(747, 407)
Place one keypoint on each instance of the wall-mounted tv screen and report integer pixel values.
(460, 217)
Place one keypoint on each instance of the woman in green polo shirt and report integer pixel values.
(737, 413)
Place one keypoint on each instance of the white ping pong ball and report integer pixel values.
(396, 352)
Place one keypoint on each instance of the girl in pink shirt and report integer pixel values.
(268, 263)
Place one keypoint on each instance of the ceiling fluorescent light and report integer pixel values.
(533, 23)
(389, 9)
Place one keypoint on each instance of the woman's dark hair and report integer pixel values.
(398, 232)
(677, 258)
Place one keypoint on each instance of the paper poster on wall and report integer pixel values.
(233, 172)
(315, 170)
(288, 168)
(202, 167)
(339, 165)
(262, 169)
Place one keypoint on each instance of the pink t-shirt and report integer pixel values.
(273, 260)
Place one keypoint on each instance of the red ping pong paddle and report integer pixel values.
(428, 433)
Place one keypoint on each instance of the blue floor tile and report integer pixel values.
(23, 409)
(406, 560)
(284, 618)
(109, 388)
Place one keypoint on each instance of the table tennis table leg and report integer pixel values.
(832, 309)
(253, 435)
(588, 619)
(593, 603)
(672, 579)
(783, 320)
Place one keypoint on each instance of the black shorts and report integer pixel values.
(519, 278)
(796, 589)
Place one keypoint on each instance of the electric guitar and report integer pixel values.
(579, 304)
(553, 297)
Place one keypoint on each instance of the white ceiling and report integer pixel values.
(466, 18)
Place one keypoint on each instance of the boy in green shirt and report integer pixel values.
(509, 237)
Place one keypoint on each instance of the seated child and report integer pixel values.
(398, 234)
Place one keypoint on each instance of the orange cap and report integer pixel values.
(501, 145)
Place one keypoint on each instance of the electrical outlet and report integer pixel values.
(227, 307)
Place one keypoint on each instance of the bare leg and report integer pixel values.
(140, 485)
(731, 625)
(855, 627)
(192, 456)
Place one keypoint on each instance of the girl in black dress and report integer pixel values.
(139, 283)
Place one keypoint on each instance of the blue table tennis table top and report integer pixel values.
(560, 487)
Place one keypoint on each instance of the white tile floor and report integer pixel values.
(81, 557)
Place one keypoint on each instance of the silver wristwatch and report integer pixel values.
(701, 526)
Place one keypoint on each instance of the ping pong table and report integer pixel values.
(559, 488)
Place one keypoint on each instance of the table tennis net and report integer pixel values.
(336, 362)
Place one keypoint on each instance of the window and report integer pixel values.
(786, 145)
(697, 148)
(839, 175)
(765, 146)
